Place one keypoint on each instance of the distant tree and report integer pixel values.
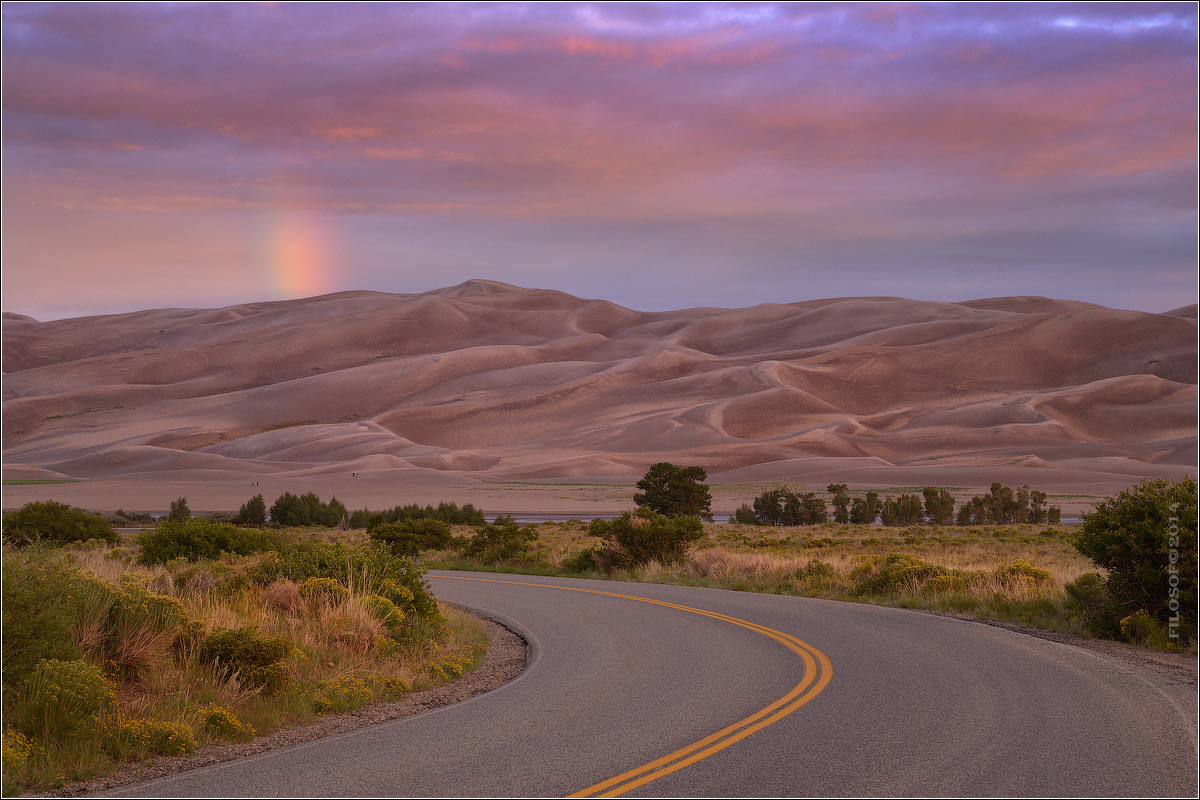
(939, 505)
(903, 510)
(864, 510)
(744, 515)
(253, 512)
(179, 510)
(675, 491)
(840, 501)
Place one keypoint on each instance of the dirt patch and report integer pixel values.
(505, 659)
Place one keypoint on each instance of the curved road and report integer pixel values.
(741, 694)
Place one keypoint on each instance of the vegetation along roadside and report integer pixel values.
(202, 630)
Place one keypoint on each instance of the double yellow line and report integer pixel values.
(818, 671)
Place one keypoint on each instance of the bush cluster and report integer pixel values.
(630, 541)
(306, 510)
(56, 523)
(1145, 538)
(408, 537)
(257, 660)
(504, 541)
(221, 723)
(40, 600)
(449, 513)
(196, 539)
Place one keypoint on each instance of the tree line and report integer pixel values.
(934, 505)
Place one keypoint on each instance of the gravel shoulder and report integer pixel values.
(505, 659)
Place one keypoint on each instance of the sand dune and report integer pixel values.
(486, 380)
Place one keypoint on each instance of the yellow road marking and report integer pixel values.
(817, 667)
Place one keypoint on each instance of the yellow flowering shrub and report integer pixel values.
(342, 694)
(64, 698)
(222, 723)
(141, 737)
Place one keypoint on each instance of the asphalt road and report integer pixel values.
(746, 695)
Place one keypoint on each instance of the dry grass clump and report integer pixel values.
(214, 651)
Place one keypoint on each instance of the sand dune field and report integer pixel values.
(460, 392)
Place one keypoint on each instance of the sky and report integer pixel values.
(657, 155)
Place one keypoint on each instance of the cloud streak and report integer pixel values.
(856, 134)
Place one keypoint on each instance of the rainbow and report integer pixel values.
(299, 253)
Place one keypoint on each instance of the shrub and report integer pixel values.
(370, 569)
(391, 687)
(257, 659)
(142, 737)
(18, 751)
(630, 540)
(448, 513)
(408, 537)
(307, 509)
(939, 584)
(343, 694)
(1090, 596)
(1145, 537)
(39, 612)
(221, 723)
(129, 625)
(62, 699)
(195, 539)
(323, 590)
(55, 523)
(385, 610)
(892, 573)
(1021, 574)
(502, 541)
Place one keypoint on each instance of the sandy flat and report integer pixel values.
(473, 392)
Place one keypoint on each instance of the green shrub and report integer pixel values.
(940, 584)
(257, 659)
(323, 590)
(1145, 537)
(385, 610)
(1020, 574)
(1088, 594)
(63, 699)
(307, 509)
(39, 611)
(221, 723)
(55, 523)
(892, 573)
(629, 541)
(195, 539)
(503, 541)
(408, 537)
(448, 513)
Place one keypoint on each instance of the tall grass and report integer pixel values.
(141, 630)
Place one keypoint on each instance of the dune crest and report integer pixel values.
(489, 379)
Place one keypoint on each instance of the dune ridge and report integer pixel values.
(498, 381)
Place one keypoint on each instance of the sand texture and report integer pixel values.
(488, 382)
